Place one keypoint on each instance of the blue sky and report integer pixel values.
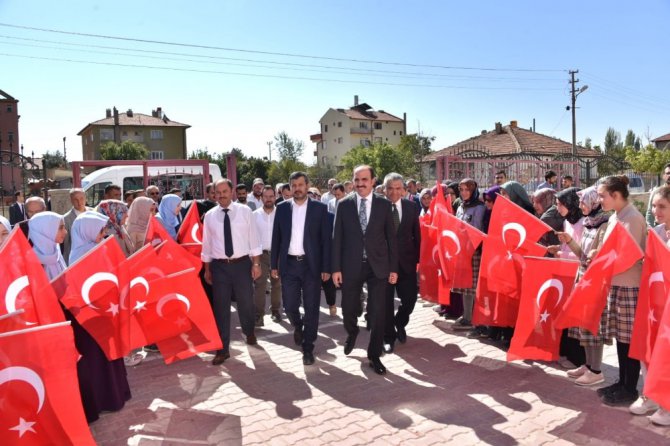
(620, 49)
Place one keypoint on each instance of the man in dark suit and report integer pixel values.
(17, 210)
(300, 255)
(364, 251)
(406, 221)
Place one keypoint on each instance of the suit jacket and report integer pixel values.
(380, 240)
(409, 237)
(316, 237)
(16, 214)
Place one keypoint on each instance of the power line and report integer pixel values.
(304, 56)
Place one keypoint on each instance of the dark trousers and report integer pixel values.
(406, 289)
(228, 280)
(351, 306)
(629, 368)
(297, 281)
(330, 291)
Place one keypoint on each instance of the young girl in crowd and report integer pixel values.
(167, 213)
(622, 299)
(117, 213)
(517, 195)
(425, 197)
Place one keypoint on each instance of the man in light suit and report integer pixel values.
(406, 221)
(300, 256)
(364, 251)
(78, 200)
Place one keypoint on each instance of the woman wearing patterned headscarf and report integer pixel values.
(46, 232)
(167, 213)
(5, 229)
(139, 214)
(117, 212)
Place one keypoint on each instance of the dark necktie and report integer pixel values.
(362, 215)
(227, 235)
(396, 217)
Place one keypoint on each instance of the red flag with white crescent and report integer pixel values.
(156, 233)
(585, 304)
(190, 230)
(39, 388)
(546, 283)
(653, 295)
(657, 383)
(25, 286)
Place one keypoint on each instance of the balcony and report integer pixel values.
(360, 131)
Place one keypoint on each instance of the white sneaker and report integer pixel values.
(589, 378)
(642, 406)
(661, 417)
(576, 373)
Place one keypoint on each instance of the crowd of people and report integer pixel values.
(362, 237)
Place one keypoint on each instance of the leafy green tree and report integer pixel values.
(202, 154)
(252, 168)
(649, 159)
(588, 143)
(383, 157)
(287, 148)
(629, 141)
(127, 150)
(53, 160)
(280, 170)
(419, 146)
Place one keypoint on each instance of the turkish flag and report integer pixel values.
(546, 283)
(654, 289)
(12, 321)
(585, 304)
(190, 230)
(457, 241)
(428, 261)
(514, 225)
(182, 303)
(657, 384)
(175, 258)
(493, 308)
(156, 233)
(91, 288)
(39, 389)
(26, 285)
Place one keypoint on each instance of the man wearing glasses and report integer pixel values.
(154, 193)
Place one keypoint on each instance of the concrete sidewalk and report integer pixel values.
(441, 388)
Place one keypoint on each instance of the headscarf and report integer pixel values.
(546, 197)
(454, 186)
(114, 210)
(596, 217)
(518, 195)
(4, 222)
(139, 215)
(42, 231)
(569, 198)
(84, 232)
(166, 212)
(492, 193)
(474, 193)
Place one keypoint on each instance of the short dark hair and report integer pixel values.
(269, 187)
(128, 193)
(501, 172)
(549, 174)
(567, 177)
(240, 186)
(338, 186)
(17, 193)
(111, 187)
(365, 166)
(298, 174)
(285, 186)
(209, 187)
(224, 180)
(666, 166)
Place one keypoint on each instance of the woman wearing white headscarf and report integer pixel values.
(5, 229)
(167, 213)
(46, 232)
(87, 231)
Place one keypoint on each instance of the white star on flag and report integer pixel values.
(113, 308)
(652, 318)
(584, 283)
(23, 427)
(544, 316)
(140, 305)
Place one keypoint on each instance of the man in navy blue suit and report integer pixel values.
(300, 255)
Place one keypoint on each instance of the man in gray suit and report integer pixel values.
(78, 200)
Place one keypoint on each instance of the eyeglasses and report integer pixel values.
(153, 193)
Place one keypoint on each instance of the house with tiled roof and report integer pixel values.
(662, 142)
(163, 138)
(343, 129)
(523, 153)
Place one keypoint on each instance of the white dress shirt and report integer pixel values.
(299, 212)
(264, 223)
(257, 201)
(243, 230)
(327, 197)
(368, 205)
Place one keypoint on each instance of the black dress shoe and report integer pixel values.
(276, 317)
(349, 343)
(297, 336)
(377, 366)
(251, 339)
(308, 358)
(388, 348)
(401, 335)
(220, 358)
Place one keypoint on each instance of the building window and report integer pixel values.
(106, 134)
(10, 136)
(340, 140)
(9, 108)
(378, 139)
(365, 142)
(325, 128)
(339, 123)
(378, 125)
(363, 125)
(157, 154)
(394, 133)
(400, 132)
(157, 134)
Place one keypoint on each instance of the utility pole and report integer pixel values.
(269, 143)
(64, 152)
(574, 92)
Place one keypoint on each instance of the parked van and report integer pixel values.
(186, 178)
(636, 184)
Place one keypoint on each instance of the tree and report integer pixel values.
(649, 159)
(280, 170)
(53, 160)
(419, 147)
(252, 168)
(588, 143)
(612, 141)
(629, 141)
(287, 148)
(127, 150)
(383, 157)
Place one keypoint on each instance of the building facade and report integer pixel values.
(359, 125)
(10, 177)
(163, 138)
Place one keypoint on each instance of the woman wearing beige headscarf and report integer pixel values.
(138, 220)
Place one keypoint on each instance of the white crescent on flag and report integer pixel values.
(28, 376)
(91, 281)
(519, 229)
(452, 235)
(176, 296)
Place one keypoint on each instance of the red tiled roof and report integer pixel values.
(513, 140)
(370, 115)
(137, 120)
(662, 138)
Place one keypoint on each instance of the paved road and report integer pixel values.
(442, 388)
